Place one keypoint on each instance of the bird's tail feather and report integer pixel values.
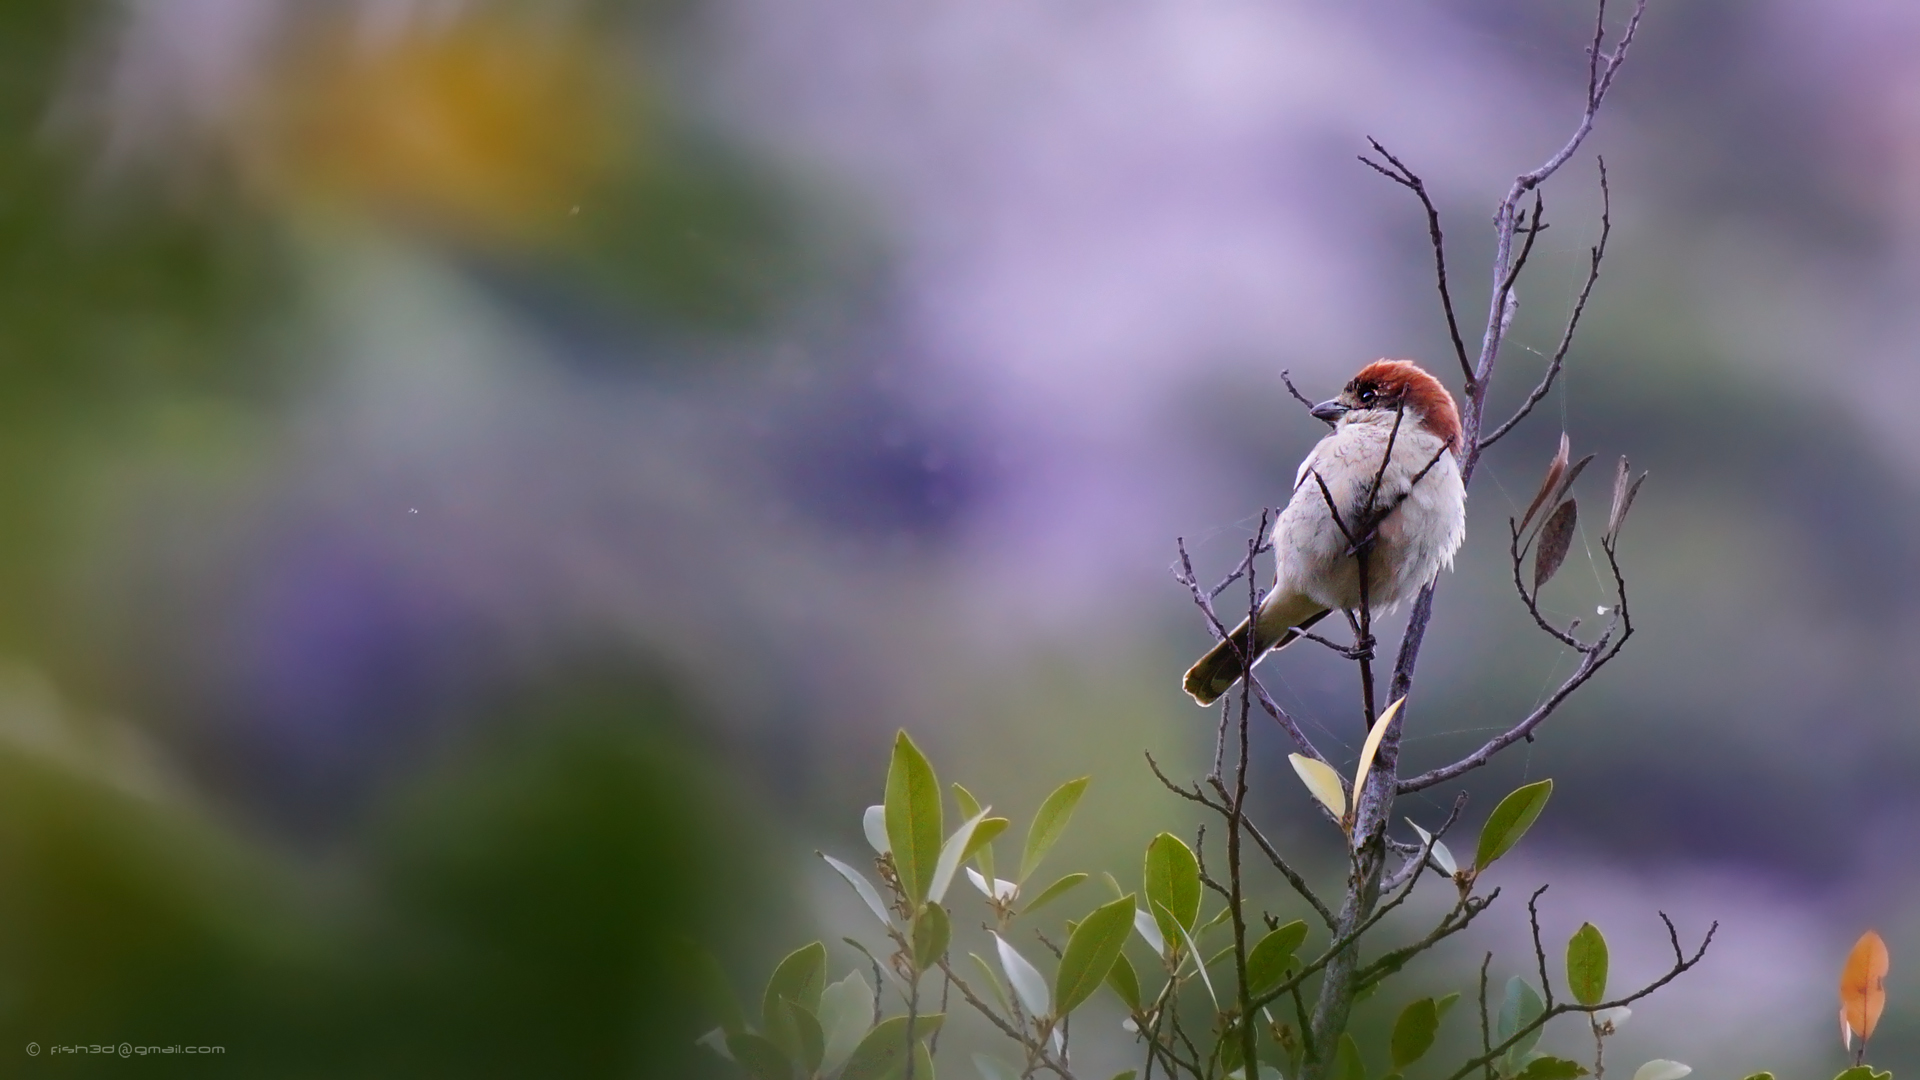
(1223, 665)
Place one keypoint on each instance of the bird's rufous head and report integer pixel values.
(1385, 387)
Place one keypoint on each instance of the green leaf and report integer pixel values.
(1443, 1005)
(1049, 822)
(1148, 928)
(932, 932)
(913, 818)
(1587, 965)
(1347, 1064)
(1272, 955)
(868, 894)
(1090, 953)
(846, 1012)
(1413, 1032)
(1510, 821)
(1053, 892)
(1551, 1068)
(1173, 884)
(984, 834)
(1128, 1075)
(1193, 950)
(759, 1056)
(710, 985)
(993, 982)
(1860, 1072)
(1769, 1076)
(1027, 983)
(1662, 1069)
(1520, 1007)
(992, 1069)
(1125, 981)
(882, 1055)
(799, 1035)
(970, 806)
(799, 978)
(952, 853)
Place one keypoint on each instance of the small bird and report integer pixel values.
(1418, 515)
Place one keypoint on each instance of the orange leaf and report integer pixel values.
(1863, 985)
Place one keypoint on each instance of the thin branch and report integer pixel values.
(1406, 178)
(1293, 877)
(1681, 965)
(1486, 1031)
(1285, 720)
(1286, 377)
(1539, 953)
(1594, 257)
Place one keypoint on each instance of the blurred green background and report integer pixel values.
(480, 482)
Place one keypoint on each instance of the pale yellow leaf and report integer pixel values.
(1322, 782)
(1372, 747)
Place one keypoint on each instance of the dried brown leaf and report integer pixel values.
(1620, 476)
(1554, 471)
(1626, 507)
(1556, 536)
(1566, 482)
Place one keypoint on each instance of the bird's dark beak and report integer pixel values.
(1330, 411)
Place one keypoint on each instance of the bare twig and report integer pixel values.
(1539, 953)
(1682, 963)
(1594, 257)
(1287, 377)
(1405, 177)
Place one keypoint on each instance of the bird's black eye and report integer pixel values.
(1367, 395)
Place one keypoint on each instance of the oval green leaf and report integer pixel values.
(1049, 823)
(1125, 981)
(1272, 955)
(799, 978)
(913, 817)
(1521, 1007)
(1027, 983)
(800, 1035)
(1510, 821)
(759, 1056)
(1587, 965)
(1053, 892)
(1090, 953)
(932, 931)
(711, 987)
(952, 853)
(883, 1053)
(994, 1069)
(1552, 1068)
(862, 886)
(846, 1012)
(1347, 1063)
(1173, 884)
(1413, 1032)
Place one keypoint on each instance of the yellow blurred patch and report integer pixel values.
(489, 129)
